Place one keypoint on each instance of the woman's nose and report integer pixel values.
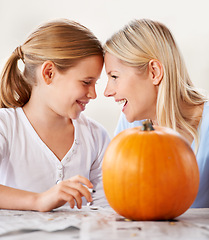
(109, 91)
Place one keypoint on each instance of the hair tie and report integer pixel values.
(18, 52)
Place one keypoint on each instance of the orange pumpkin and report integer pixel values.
(150, 174)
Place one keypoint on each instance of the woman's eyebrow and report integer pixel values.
(112, 72)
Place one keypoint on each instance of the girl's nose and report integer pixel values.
(92, 93)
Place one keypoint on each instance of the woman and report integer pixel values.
(147, 74)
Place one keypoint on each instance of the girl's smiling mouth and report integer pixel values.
(82, 104)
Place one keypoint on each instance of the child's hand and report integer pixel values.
(70, 190)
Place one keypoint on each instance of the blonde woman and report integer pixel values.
(50, 153)
(146, 73)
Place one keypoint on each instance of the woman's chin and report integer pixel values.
(129, 118)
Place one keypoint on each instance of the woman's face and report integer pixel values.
(132, 88)
(68, 93)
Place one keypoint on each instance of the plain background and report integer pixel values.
(187, 19)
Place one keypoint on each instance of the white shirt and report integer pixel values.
(27, 163)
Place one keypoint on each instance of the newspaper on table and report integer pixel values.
(56, 220)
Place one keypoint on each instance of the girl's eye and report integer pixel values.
(86, 83)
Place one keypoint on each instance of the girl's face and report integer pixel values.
(132, 88)
(68, 93)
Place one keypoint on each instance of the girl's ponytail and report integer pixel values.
(14, 91)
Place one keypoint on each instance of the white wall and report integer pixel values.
(187, 19)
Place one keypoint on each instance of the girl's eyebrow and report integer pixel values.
(89, 78)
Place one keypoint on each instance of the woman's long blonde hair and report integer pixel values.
(143, 40)
(62, 41)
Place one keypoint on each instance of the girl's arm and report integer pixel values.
(71, 190)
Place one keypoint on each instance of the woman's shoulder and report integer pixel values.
(205, 114)
(206, 108)
(205, 119)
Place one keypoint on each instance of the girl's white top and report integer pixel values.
(27, 163)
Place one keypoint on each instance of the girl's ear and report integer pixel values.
(47, 71)
(156, 70)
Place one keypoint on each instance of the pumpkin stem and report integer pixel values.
(147, 125)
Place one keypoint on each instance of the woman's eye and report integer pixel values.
(114, 76)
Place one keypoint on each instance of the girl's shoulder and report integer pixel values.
(9, 118)
(87, 124)
(8, 114)
(6, 111)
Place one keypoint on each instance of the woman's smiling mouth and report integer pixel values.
(122, 101)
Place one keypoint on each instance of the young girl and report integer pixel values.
(44, 137)
(146, 73)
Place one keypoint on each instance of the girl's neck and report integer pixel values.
(55, 131)
(39, 114)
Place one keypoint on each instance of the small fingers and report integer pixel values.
(80, 191)
(81, 179)
(72, 203)
(70, 195)
(73, 192)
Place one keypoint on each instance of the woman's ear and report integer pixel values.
(156, 70)
(47, 71)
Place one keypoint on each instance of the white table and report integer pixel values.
(99, 224)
